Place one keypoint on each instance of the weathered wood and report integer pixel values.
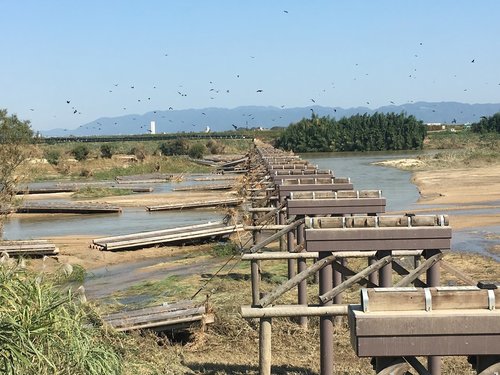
(275, 236)
(294, 281)
(418, 333)
(279, 255)
(404, 272)
(265, 334)
(354, 279)
(271, 213)
(391, 238)
(172, 235)
(249, 312)
(31, 247)
(197, 204)
(67, 208)
(204, 187)
(158, 317)
(423, 267)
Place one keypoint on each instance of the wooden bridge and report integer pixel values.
(347, 224)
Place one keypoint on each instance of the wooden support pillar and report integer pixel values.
(302, 266)
(385, 273)
(255, 275)
(385, 280)
(256, 234)
(373, 276)
(265, 346)
(337, 280)
(326, 322)
(290, 245)
(432, 277)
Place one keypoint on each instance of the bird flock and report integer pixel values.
(213, 92)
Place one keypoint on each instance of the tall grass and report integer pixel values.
(45, 331)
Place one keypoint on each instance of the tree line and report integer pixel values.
(487, 124)
(361, 132)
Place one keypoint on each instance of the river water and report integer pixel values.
(395, 184)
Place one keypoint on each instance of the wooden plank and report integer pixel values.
(196, 204)
(427, 345)
(73, 208)
(380, 245)
(441, 298)
(204, 187)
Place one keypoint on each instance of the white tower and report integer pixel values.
(152, 128)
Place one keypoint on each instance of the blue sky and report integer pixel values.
(197, 54)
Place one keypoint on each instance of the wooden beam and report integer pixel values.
(424, 266)
(275, 236)
(250, 312)
(403, 272)
(294, 281)
(328, 296)
(279, 255)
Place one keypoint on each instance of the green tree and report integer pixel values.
(16, 147)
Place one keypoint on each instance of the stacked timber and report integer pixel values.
(176, 316)
(67, 208)
(228, 202)
(207, 231)
(31, 247)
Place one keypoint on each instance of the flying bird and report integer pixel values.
(68, 101)
(473, 61)
(312, 100)
(260, 90)
(285, 11)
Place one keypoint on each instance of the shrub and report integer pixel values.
(107, 151)
(196, 151)
(52, 156)
(177, 147)
(139, 152)
(80, 152)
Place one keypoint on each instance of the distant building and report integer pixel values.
(207, 129)
(152, 127)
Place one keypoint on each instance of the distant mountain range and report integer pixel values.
(221, 119)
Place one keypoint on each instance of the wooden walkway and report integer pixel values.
(166, 317)
(31, 247)
(30, 207)
(182, 234)
(228, 202)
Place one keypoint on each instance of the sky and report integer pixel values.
(112, 58)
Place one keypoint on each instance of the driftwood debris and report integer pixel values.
(28, 247)
(175, 316)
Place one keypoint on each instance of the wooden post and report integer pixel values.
(265, 346)
(255, 274)
(385, 280)
(302, 266)
(326, 322)
(256, 234)
(337, 300)
(432, 277)
(373, 276)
